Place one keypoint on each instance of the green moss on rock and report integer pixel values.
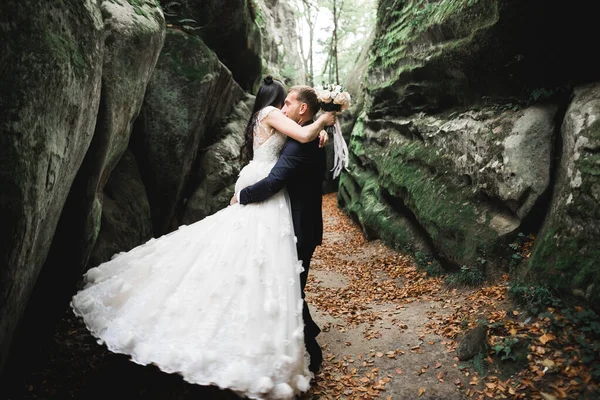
(567, 261)
(415, 176)
(363, 200)
(432, 56)
(66, 50)
(405, 26)
(188, 56)
(449, 214)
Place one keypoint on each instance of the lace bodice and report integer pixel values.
(267, 143)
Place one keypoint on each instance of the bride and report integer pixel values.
(217, 301)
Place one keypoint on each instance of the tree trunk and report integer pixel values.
(335, 54)
(301, 45)
(311, 74)
(328, 66)
(311, 20)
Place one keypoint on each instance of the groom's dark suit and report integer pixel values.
(300, 169)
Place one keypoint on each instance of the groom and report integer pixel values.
(300, 169)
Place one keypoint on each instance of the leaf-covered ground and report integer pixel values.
(389, 332)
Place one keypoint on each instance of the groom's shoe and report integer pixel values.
(316, 355)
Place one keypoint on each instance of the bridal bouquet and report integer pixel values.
(335, 98)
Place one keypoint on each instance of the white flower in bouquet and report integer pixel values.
(324, 96)
(343, 99)
(347, 101)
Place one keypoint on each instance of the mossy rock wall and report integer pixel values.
(432, 55)
(229, 28)
(369, 204)
(109, 138)
(219, 166)
(459, 132)
(566, 252)
(95, 79)
(126, 220)
(134, 32)
(188, 95)
(50, 82)
(467, 180)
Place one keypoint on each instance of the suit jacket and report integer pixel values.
(300, 169)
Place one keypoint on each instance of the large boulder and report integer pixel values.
(134, 38)
(566, 253)
(219, 167)
(189, 94)
(130, 39)
(126, 220)
(458, 124)
(468, 180)
(429, 56)
(50, 80)
(229, 28)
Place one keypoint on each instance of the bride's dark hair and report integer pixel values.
(271, 93)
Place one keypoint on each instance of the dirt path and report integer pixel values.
(377, 314)
(390, 331)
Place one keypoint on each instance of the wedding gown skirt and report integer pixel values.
(217, 301)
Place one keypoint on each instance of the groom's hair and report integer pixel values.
(306, 94)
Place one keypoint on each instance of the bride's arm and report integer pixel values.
(303, 134)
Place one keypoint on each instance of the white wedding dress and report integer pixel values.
(217, 301)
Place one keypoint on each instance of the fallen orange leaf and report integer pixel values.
(547, 337)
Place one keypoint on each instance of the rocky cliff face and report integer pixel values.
(566, 252)
(227, 27)
(462, 140)
(190, 92)
(280, 51)
(431, 56)
(117, 126)
(468, 181)
(73, 75)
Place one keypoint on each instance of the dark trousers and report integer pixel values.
(311, 329)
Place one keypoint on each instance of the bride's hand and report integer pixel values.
(323, 139)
